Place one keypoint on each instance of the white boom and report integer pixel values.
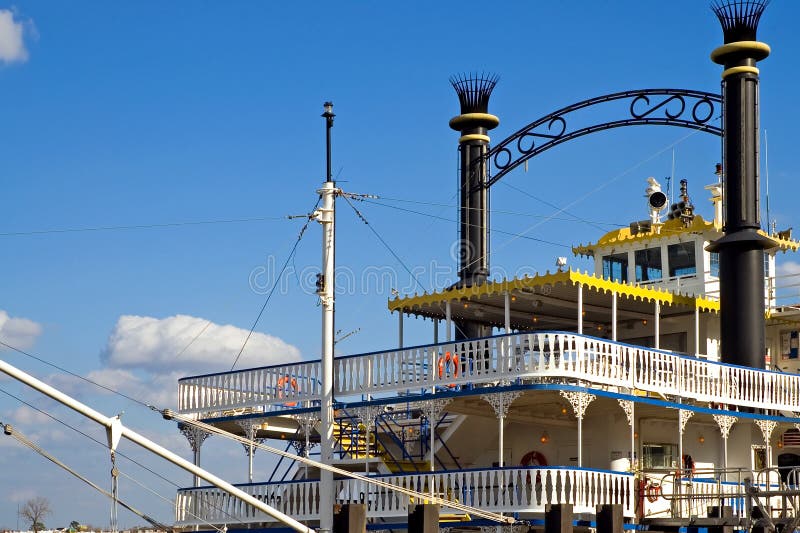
(149, 445)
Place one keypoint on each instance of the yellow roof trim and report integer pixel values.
(574, 277)
(670, 228)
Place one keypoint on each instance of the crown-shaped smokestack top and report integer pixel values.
(739, 18)
(474, 91)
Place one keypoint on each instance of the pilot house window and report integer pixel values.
(681, 259)
(648, 264)
(615, 267)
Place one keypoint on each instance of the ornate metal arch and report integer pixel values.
(673, 107)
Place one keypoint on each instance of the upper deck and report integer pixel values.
(523, 358)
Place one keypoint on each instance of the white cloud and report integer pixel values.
(25, 415)
(166, 345)
(12, 44)
(18, 332)
(787, 268)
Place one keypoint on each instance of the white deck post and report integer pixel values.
(657, 325)
(633, 436)
(196, 437)
(725, 423)
(579, 402)
(696, 329)
(614, 316)
(448, 311)
(400, 329)
(580, 309)
(507, 322)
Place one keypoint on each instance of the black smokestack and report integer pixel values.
(474, 123)
(741, 250)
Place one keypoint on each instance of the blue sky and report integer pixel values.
(155, 113)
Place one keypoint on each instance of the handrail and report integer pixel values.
(507, 490)
(517, 357)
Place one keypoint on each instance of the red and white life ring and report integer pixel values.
(533, 458)
(653, 492)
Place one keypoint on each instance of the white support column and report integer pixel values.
(614, 316)
(326, 216)
(500, 402)
(196, 438)
(368, 415)
(432, 409)
(507, 322)
(307, 421)
(657, 325)
(696, 330)
(628, 407)
(683, 417)
(400, 329)
(579, 402)
(580, 309)
(767, 427)
(448, 312)
(250, 429)
(725, 423)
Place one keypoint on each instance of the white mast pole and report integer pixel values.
(114, 425)
(326, 217)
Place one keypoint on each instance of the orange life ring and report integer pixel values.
(282, 389)
(443, 364)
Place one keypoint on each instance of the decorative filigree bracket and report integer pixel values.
(501, 401)
(627, 406)
(194, 435)
(665, 107)
(683, 417)
(250, 428)
(766, 427)
(725, 423)
(367, 414)
(432, 409)
(578, 400)
(307, 421)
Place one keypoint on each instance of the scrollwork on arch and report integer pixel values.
(661, 107)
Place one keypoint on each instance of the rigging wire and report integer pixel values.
(554, 206)
(173, 502)
(383, 241)
(493, 230)
(73, 374)
(572, 217)
(275, 285)
(22, 439)
(138, 226)
(105, 446)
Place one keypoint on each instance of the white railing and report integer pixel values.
(524, 356)
(508, 490)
